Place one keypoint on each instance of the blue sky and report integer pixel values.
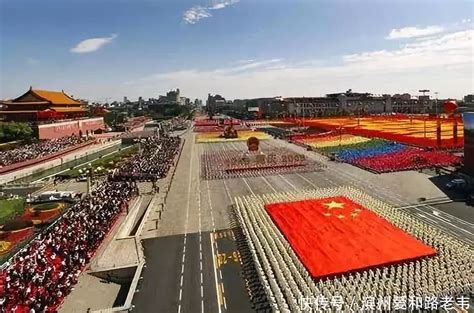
(98, 49)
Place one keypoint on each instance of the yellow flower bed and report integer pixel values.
(243, 136)
(336, 141)
(5, 246)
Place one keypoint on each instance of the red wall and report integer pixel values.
(64, 129)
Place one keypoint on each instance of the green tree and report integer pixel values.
(15, 131)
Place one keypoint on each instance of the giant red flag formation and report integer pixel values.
(337, 235)
(342, 242)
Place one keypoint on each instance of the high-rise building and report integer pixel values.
(214, 103)
(469, 101)
(173, 96)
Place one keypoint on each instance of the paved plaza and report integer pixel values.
(181, 275)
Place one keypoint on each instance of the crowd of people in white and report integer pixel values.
(38, 150)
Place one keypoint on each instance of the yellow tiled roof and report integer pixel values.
(69, 109)
(55, 97)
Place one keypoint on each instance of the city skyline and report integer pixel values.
(240, 49)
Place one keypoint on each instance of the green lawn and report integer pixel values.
(107, 162)
(11, 208)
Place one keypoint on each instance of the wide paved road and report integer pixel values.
(192, 265)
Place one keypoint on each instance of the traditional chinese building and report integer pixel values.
(37, 105)
(52, 114)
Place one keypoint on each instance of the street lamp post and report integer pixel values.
(303, 113)
(424, 126)
(89, 178)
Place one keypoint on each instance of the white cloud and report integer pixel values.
(252, 64)
(448, 49)
(193, 15)
(246, 61)
(417, 64)
(413, 32)
(31, 61)
(197, 13)
(92, 44)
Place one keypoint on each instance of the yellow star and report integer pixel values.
(354, 214)
(340, 216)
(327, 214)
(334, 205)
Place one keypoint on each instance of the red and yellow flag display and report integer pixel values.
(335, 235)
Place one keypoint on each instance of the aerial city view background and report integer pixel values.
(236, 156)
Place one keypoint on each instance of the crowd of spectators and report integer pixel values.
(154, 160)
(37, 150)
(38, 277)
(41, 275)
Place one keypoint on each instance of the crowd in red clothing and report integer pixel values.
(37, 150)
(40, 276)
(409, 158)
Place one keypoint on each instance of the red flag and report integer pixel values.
(335, 235)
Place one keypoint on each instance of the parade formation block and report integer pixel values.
(336, 235)
(378, 155)
(237, 163)
(352, 245)
(242, 136)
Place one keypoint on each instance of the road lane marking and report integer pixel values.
(307, 180)
(200, 244)
(227, 192)
(444, 220)
(210, 206)
(268, 183)
(215, 273)
(248, 186)
(186, 224)
(223, 296)
(441, 213)
(288, 182)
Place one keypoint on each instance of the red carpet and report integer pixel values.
(333, 236)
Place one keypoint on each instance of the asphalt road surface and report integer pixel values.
(192, 267)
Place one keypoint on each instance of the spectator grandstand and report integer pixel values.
(40, 276)
(37, 150)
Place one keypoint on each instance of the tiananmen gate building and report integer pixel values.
(37, 105)
(52, 114)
